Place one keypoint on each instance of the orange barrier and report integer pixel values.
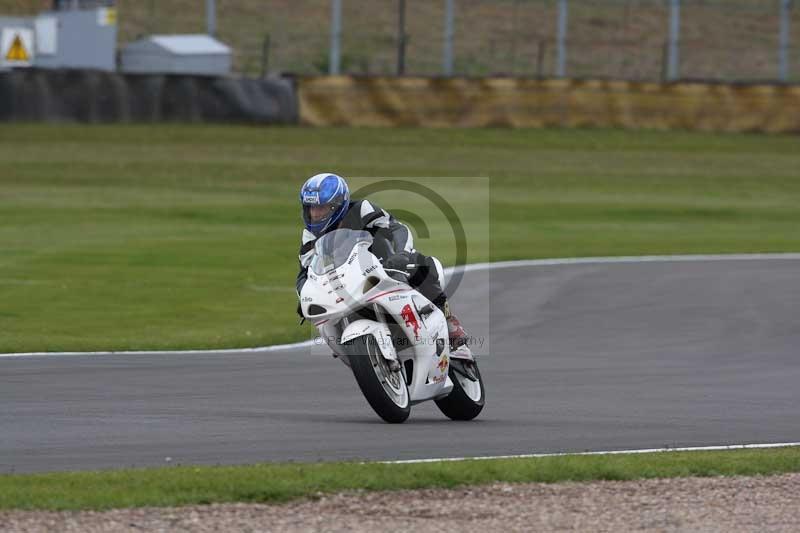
(454, 102)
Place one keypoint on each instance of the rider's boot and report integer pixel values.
(458, 337)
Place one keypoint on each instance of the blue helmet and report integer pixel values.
(324, 190)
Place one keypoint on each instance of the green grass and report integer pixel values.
(273, 483)
(168, 237)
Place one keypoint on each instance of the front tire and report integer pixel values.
(386, 391)
(467, 398)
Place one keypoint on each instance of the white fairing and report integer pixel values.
(370, 327)
(360, 283)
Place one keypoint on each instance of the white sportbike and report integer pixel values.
(392, 337)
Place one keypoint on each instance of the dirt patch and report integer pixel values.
(687, 504)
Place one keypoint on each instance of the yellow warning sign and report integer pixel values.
(107, 17)
(17, 51)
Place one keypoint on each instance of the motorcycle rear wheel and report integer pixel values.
(467, 398)
(386, 391)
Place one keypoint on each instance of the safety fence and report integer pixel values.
(639, 40)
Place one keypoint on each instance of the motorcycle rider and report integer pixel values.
(326, 206)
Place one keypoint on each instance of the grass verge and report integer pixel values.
(274, 483)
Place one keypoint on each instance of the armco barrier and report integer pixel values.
(93, 96)
(387, 101)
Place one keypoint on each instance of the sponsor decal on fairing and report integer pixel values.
(410, 319)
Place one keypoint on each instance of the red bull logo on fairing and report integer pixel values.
(410, 319)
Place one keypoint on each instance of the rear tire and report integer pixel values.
(386, 391)
(467, 398)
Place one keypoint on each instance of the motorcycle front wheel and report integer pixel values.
(386, 391)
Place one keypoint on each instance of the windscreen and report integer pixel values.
(333, 249)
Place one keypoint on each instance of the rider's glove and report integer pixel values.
(401, 261)
(413, 263)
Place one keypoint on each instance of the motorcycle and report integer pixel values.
(393, 339)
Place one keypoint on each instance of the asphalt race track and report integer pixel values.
(582, 357)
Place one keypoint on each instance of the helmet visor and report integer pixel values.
(319, 214)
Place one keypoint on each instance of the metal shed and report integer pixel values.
(177, 54)
(76, 35)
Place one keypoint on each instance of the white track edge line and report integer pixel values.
(262, 349)
(626, 259)
(724, 447)
(449, 270)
